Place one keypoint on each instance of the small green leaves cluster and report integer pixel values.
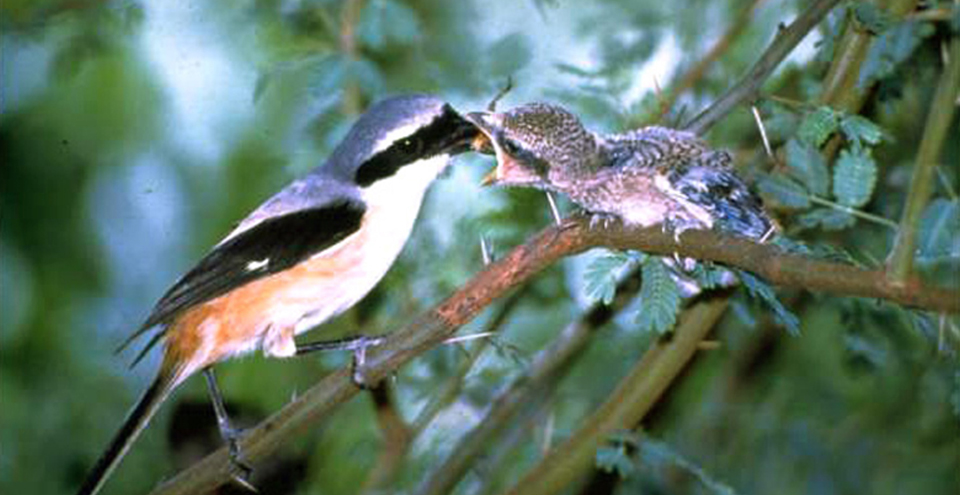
(808, 178)
(603, 274)
(659, 296)
(762, 291)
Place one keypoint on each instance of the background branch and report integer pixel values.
(749, 86)
(548, 367)
(696, 72)
(633, 398)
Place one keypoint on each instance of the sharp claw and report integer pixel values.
(240, 471)
(605, 219)
(360, 360)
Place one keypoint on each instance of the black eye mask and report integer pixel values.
(449, 133)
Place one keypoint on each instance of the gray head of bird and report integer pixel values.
(536, 145)
(398, 132)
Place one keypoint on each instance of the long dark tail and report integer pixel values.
(136, 421)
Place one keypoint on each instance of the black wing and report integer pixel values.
(271, 246)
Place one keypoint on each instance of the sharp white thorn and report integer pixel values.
(465, 338)
(553, 208)
(763, 131)
(485, 251)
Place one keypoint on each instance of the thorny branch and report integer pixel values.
(519, 266)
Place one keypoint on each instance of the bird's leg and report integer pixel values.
(601, 218)
(357, 344)
(239, 470)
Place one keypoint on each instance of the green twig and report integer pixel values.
(942, 109)
(870, 217)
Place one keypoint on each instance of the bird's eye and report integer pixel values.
(411, 146)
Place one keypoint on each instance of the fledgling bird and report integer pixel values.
(653, 175)
(307, 254)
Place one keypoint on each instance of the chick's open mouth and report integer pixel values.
(481, 143)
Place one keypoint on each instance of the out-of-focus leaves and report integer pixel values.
(808, 165)
(894, 46)
(263, 81)
(784, 190)
(826, 218)
(818, 125)
(860, 130)
(854, 177)
(762, 291)
(602, 274)
(573, 70)
(871, 17)
(329, 75)
(939, 235)
(508, 55)
(955, 395)
(365, 74)
(388, 22)
(863, 347)
(659, 297)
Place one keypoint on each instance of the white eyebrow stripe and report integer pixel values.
(400, 133)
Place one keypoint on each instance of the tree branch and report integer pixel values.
(749, 86)
(522, 263)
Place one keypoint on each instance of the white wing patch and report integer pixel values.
(255, 265)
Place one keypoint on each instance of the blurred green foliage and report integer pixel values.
(133, 134)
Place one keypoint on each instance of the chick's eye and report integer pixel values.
(511, 147)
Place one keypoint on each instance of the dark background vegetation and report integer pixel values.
(133, 134)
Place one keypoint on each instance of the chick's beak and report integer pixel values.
(486, 122)
(510, 171)
(483, 142)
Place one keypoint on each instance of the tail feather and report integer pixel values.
(135, 422)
